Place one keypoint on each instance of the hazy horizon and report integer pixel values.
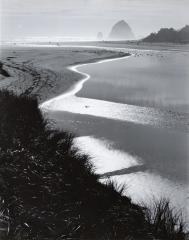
(85, 18)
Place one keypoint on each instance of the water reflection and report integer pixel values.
(154, 79)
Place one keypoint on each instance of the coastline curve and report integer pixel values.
(79, 85)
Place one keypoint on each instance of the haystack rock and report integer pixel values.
(121, 31)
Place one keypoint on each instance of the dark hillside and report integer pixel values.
(169, 35)
(49, 191)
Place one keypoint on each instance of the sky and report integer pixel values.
(26, 19)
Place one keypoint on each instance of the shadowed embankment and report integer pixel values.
(50, 191)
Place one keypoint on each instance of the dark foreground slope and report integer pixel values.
(49, 191)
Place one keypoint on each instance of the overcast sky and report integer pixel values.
(84, 18)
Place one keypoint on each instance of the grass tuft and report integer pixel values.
(165, 221)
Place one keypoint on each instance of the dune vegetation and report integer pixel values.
(48, 190)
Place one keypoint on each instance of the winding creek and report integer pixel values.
(131, 115)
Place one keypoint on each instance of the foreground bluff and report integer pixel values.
(121, 31)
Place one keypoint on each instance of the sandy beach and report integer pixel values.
(42, 71)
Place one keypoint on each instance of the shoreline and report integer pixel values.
(79, 85)
(29, 75)
(111, 44)
(136, 114)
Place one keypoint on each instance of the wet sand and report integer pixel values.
(150, 162)
(158, 148)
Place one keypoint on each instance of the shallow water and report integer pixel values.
(150, 79)
(143, 145)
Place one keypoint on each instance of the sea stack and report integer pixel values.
(100, 36)
(121, 31)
